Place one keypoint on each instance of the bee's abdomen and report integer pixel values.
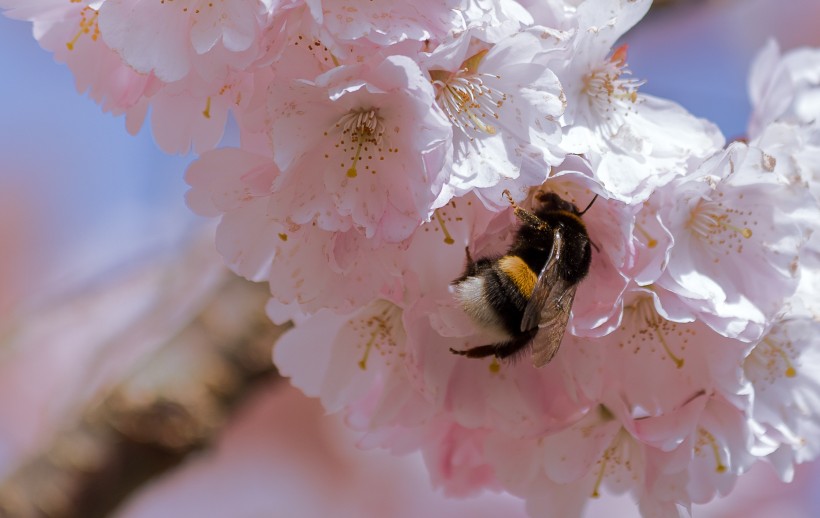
(510, 292)
(521, 275)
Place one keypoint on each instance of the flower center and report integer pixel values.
(611, 95)
(468, 102)
(654, 328)
(379, 330)
(773, 357)
(362, 134)
(716, 225)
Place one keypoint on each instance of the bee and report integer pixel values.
(514, 304)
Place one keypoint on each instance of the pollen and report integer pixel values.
(719, 226)
(361, 135)
(611, 92)
(88, 26)
(318, 50)
(471, 105)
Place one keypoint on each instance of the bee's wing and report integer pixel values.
(552, 327)
(549, 306)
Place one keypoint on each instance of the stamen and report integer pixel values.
(86, 26)
(364, 128)
(467, 101)
(720, 467)
(656, 323)
(791, 372)
(596, 489)
(363, 361)
(207, 111)
(610, 94)
(678, 361)
(709, 219)
(447, 237)
(650, 241)
(495, 366)
(379, 330)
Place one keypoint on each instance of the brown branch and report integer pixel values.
(171, 406)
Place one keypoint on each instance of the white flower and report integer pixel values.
(633, 141)
(782, 368)
(164, 36)
(504, 108)
(734, 222)
(361, 147)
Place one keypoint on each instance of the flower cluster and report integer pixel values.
(377, 139)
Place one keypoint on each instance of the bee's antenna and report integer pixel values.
(588, 206)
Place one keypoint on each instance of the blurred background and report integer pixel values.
(135, 374)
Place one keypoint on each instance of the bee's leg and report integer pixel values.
(516, 345)
(501, 349)
(597, 248)
(482, 351)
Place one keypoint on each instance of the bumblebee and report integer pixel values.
(507, 298)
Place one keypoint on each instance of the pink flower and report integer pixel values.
(504, 108)
(634, 142)
(259, 240)
(734, 222)
(385, 22)
(165, 37)
(71, 31)
(360, 148)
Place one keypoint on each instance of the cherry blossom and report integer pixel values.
(308, 266)
(504, 109)
(164, 37)
(634, 142)
(359, 131)
(723, 215)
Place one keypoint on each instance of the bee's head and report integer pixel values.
(550, 201)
